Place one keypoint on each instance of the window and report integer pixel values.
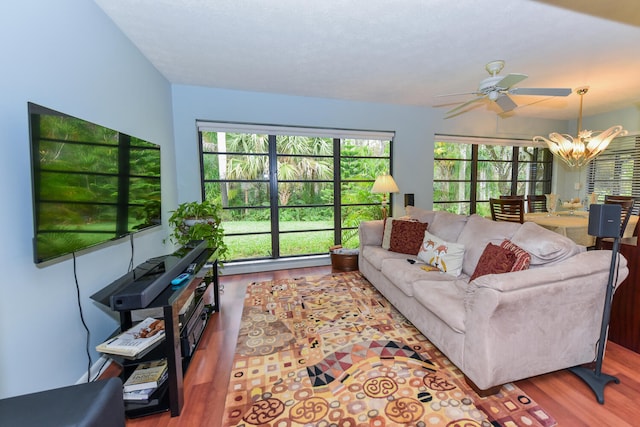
(617, 169)
(291, 191)
(468, 171)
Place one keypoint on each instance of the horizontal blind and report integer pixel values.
(487, 140)
(617, 170)
(208, 126)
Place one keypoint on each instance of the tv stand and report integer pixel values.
(185, 311)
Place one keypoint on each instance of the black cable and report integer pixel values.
(100, 369)
(132, 250)
(86, 328)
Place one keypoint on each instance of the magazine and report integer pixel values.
(148, 375)
(135, 341)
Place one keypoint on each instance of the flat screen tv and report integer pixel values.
(90, 184)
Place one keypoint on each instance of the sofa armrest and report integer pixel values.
(536, 321)
(370, 233)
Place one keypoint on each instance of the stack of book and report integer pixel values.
(145, 380)
(136, 341)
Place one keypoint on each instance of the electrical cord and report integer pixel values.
(132, 252)
(84, 323)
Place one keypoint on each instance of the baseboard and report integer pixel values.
(257, 266)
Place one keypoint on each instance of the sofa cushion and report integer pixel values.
(545, 246)
(444, 298)
(387, 229)
(523, 259)
(407, 236)
(494, 260)
(477, 233)
(420, 214)
(447, 256)
(375, 255)
(447, 225)
(403, 275)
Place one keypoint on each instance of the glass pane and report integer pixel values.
(305, 145)
(359, 192)
(350, 238)
(448, 150)
(252, 246)
(365, 147)
(495, 152)
(352, 215)
(235, 166)
(363, 168)
(450, 170)
(305, 218)
(305, 193)
(292, 168)
(246, 221)
(451, 191)
(234, 142)
(311, 242)
(238, 193)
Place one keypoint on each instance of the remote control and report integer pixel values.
(192, 268)
(181, 278)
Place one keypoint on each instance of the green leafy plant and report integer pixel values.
(198, 221)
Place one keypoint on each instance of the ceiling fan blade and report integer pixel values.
(456, 94)
(505, 103)
(461, 106)
(510, 80)
(540, 91)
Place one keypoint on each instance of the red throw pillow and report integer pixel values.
(523, 258)
(494, 260)
(407, 236)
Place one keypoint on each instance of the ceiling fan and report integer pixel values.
(498, 88)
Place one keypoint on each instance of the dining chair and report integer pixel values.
(511, 210)
(636, 206)
(537, 203)
(513, 196)
(627, 204)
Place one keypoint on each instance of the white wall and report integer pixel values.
(66, 55)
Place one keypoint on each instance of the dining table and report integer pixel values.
(574, 225)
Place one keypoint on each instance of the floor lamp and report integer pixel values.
(384, 184)
(604, 221)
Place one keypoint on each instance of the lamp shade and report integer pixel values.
(385, 184)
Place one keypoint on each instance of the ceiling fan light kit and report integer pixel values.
(577, 152)
(498, 88)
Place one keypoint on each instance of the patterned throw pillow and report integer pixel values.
(523, 258)
(494, 260)
(444, 255)
(406, 236)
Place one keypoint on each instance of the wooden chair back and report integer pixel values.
(510, 210)
(537, 203)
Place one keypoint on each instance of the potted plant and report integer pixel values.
(198, 221)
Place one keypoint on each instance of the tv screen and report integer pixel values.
(91, 184)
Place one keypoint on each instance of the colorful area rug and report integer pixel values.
(332, 351)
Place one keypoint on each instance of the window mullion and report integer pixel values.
(273, 197)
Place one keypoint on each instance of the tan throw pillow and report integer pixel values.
(444, 255)
(523, 259)
(494, 260)
(386, 234)
(407, 236)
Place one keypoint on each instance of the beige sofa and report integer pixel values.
(505, 327)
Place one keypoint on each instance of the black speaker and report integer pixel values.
(604, 220)
(408, 199)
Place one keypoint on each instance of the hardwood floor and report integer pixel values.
(567, 398)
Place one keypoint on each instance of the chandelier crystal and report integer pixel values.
(577, 152)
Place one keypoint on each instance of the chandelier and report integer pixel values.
(577, 152)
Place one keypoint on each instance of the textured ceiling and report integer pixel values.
(397, 52)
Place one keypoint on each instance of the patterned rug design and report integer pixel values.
(331, 351)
